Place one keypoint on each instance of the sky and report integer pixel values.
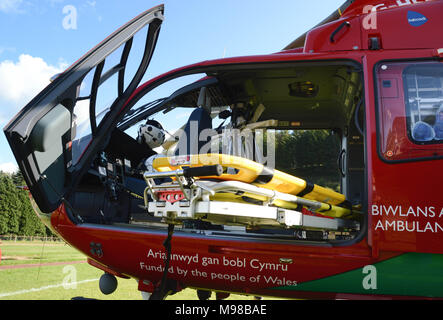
(40, 38)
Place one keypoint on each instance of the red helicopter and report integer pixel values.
(220, 202)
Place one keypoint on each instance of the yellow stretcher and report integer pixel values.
(202, 188)
(251, 172)
(283, 201)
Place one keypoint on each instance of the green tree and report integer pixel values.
(9, 206)
(16, 213)
(17, 178)
(309, 154)
(30, 224)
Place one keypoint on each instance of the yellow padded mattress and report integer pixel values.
(254, 173)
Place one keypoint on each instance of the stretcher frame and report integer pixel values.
(201, 203)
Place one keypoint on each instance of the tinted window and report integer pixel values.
(410, 101)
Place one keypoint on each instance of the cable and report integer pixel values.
(161, 292)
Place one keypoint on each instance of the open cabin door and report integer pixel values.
(51, 150)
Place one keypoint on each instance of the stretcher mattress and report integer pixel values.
(251, 172)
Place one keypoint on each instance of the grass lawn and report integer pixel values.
(14, 253)
(46, 282)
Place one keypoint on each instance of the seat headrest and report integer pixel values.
(423, 131)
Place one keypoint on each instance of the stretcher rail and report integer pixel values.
(226, 202)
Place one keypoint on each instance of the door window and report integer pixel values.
(51, 135)
(410, 97)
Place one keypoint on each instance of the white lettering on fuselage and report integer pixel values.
(408, 219)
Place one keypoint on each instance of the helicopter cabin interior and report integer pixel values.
(312, 111)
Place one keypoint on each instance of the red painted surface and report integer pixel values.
(235, 265)
(347, 38)
(358, 7)
(402, 186)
